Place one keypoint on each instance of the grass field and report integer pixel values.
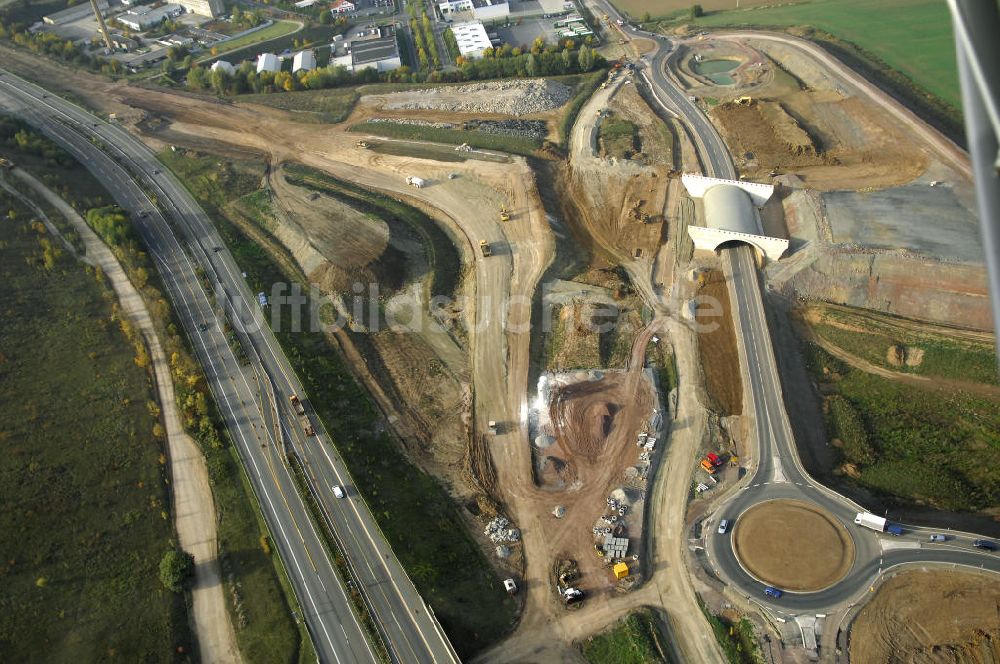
(915, 445)
(637, 8)
(85, 507)
(635, 639)
(911, 36)
(512, 144)
(618, 137)
(273, 31)
(325, 106)
(443, 560)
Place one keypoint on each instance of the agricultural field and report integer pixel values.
(82, 474)
(273, 31)
(913, 37)
(656, 8)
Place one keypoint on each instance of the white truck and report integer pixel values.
(414, 181)
(869, 520)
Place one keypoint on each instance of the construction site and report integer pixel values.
(559, 446)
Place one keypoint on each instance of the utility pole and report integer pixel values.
(104, 27)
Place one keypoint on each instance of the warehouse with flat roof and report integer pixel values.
(472, 39)
(381, 54)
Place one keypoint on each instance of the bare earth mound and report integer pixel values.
(935, 616)
(793, 545)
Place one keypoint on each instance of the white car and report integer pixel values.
(338, 491)
(723, 526)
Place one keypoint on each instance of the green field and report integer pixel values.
(86, 512)
(638, 8)
(635, 639)
(325, 106)
(273, 31)
(911, 36)
(921, 446)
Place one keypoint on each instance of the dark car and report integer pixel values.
(203, 327)
(985, 544)
(771, 591)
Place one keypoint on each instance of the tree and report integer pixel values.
(567, 60)
(696, 11)
(585, 59)
(646, 18)
(531, 65)
(176, 567)
(326, 17)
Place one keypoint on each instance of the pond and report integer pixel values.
(717, 70)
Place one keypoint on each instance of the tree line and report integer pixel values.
(505, 62)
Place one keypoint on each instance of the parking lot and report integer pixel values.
(373, 8)
(522, 31)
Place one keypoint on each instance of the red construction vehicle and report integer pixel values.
(714, 459)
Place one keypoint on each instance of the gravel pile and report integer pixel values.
(418, 123)
(525, 128)
(502, 97)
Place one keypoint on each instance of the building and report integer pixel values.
(556, 7)
(142, 18)
(75, 13)
(342, 7)
(123, 43)
(268, 62)
(472, 39)
(302, 4)
(380, 53)
(211, 8)
(304, 61)
(222, 65)
(482, 10)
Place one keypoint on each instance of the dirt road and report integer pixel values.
(194, 507)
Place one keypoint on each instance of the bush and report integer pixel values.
(176, 567)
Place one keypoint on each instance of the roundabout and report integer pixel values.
(793, 545)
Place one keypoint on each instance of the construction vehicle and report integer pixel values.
(714, 459)
(510, 586)
(707, 466)
(414, 181)
(492, 426)
(504, 214)
(744, 101)
(6, 163)
(362, 144)
(307, 427)
(484, 247)
(297, 405)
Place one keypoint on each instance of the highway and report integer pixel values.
(407, 626)
(778, 473)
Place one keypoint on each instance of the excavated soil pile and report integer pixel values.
(583, 415)
(793, 545)
(935, 616)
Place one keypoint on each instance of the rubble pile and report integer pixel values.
(499, 532)
(500, 97)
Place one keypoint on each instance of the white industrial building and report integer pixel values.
(222, 65)
(483, 10)
(142, 18)
(304, 61)
(268, 62)
(472, 39)
(211, 8)
(75, 13)
(731, 215)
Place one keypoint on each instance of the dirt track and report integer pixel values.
(938, 616)
(769, 543)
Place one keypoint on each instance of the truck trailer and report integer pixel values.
(869, 520)
(414, 181)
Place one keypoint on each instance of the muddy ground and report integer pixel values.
(930, 616)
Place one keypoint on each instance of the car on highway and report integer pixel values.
(723, 526)
(938, 538)
(203, 327)
(216, 249)
(338, 491)
(771, 591)
(985, 544)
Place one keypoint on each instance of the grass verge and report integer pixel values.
(513, 144)
(84, 487)
(314, 106)
(584, 88)
(913, 445)
(635, 639)
(737, 639)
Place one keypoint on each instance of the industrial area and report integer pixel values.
(649, 336)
